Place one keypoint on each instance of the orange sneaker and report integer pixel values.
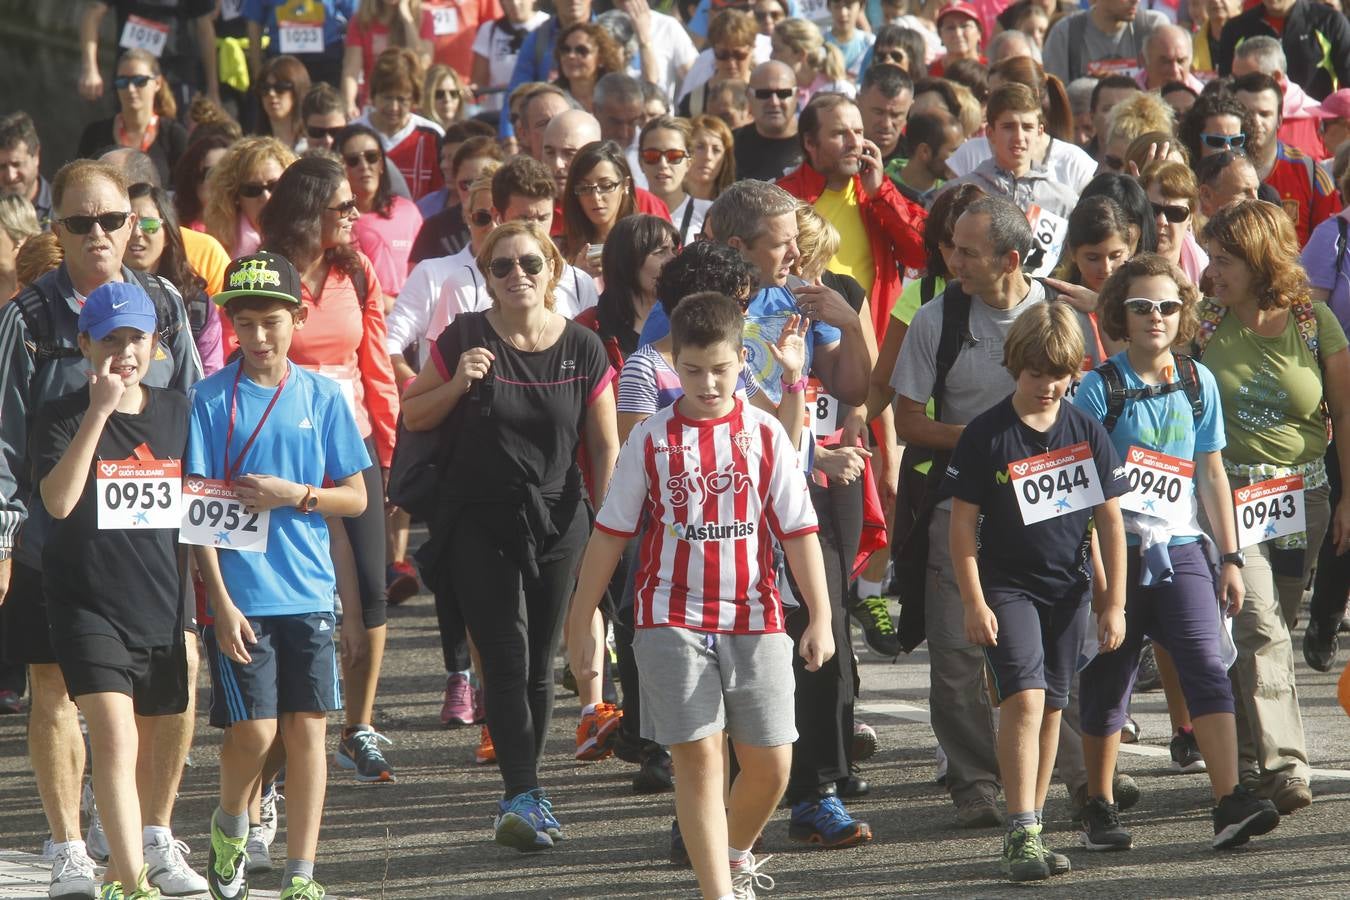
(486, 753)
(596, 733)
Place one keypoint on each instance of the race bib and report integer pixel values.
(214, 517)
(1100, 68)
(137, 493)
(444, 20)
(144, 34)
(1048, 231)
(1269, 509)
(1055, 484)
(299, 37)
(1160, 485)
(822, 410)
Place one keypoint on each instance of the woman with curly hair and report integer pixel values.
(238, 189)
(584, 54)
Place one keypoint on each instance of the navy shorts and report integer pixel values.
(294, 669)
(1037, 647)
(155, 678)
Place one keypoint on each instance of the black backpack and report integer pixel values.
(1116, 392)
(35, 306)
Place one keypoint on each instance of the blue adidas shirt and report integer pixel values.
(310, 436)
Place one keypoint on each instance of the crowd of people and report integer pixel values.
(693, 336)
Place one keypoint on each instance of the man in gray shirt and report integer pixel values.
(1106, 40)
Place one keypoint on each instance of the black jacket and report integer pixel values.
(1316, 42)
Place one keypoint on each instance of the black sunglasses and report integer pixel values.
(445, 94)
(276, 87)
(318, 134)
(766, 93)
(739, 54)
(369, 157)
(344, 209)
(1176, 214)
(122, 82)
(895, 57)
(530, 264)
(482, 218)
(108, 221)
(255, 189)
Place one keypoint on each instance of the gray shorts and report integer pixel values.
(696, 683)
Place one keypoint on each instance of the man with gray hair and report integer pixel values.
(1010, 45)
(1166, 58)
(621, 108)
(1299, 113)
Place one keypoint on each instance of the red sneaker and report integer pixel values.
(596, 732)
(486, 753)
(400, 582)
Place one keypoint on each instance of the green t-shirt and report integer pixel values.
(1272, 389)
(911, 299)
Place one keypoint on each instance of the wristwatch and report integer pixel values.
(311, 501)
(1237, 558)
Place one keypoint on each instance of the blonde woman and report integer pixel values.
(818, 66)
(18, 223)
(238, 188)
(377, 26)
(445, 97)
(145, 115)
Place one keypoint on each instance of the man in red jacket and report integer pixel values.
(880, 231)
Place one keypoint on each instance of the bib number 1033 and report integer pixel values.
(1056, 484)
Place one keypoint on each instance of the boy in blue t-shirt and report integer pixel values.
(265, 436)
(1030, 477)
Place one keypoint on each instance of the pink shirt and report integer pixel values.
(388, 242)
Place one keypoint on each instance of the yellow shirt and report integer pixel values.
(854, 258)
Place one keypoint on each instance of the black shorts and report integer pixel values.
(155, 678)
(293, 669)
(27, 633)
(1038, 645)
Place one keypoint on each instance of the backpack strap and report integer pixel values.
(1189, 375)
(1211, 314)
(35, 307)
(1188, 380)
(1115, 393)
(955, 336)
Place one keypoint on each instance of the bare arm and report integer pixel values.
(206, 39)
(64, 485)
(913, 426)
(255, 38)
(627, 422)
(602, 443)
(351, 71)
(879, 390)
(1217, 497)
(90, 81)
(430, 398)
(264, 492)
(1109, 603)
(980, 623)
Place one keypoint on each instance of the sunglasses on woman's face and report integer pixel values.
(530, 264)
(654, 156)
(354, 160)
(122, 82)
(1224, 141)
(108, 221)
(149, 225)
(480, 219)
(443, 94)
(256, 188)
(320, 134)
(894, 57)
(1142, 306)
(740, 54)
(278, 87)
(1175, 213)
(579, 50)
(344, 209)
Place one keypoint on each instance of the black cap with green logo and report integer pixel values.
(261, 274)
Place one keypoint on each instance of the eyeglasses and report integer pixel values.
(276, 87)
(1224, 141)
(1175, 213)
(766, 93)
(442, 94)
(894, 57)
(122, 82)
(1142, 306)
(740, 54)
(652, 157)
(255, 189)
(108, 221)
(579, 50)
(604, 187)
(148, 225)
(354, 160)
(345, 209)
(530, 264)
(481, 218)
(317, 133)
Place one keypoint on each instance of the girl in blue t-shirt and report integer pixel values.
(1167, 404)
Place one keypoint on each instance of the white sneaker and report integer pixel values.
(258, 851)
(72, 872)
(169, 869)
(747, 876)
(268, 814)
(95, 841)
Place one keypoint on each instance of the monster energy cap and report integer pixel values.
(262, 274)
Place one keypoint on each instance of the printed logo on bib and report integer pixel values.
(138, 493)
(1160, 485)
(214, 517)
(1048, 231)
(1056, 484)
(1100, 68)
(144, 34)
(1269, 509)
(444, 20)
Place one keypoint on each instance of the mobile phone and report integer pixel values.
(594, 252)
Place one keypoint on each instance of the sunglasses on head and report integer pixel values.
(481, 218)
(652, 157)
(122, 82)
(530, 264)
(766, 93)
(344, 209)
(277, 87)
(316, 133)
(369, 157)
(149, 225)
(1224, 141)
(255, 189)
(581, 50)
(1141, 306)
(108, 221)
(1175, 213)
(739, 54)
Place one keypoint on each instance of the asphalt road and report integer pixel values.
(429, 835)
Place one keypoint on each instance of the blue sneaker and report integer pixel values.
(552, 827)
(825, 821)
(521, 824)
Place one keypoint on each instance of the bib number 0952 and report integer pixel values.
(215, 514)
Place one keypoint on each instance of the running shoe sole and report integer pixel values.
(518, 834)
(861, 834)
(345, 762)
(1089, 844)
(1197, 765)
(1258, 823)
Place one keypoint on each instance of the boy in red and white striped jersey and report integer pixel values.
(711, 483)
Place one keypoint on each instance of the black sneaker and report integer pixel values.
(1186, 752)
(359, 752)
(1241, 816)
(679, 856)
(873, 615)
(1057, 863)
(1319, 649)
(655, 776)
(1101, 827)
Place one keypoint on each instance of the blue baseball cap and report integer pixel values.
(117, 304)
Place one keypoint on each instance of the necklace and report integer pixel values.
(538, 336)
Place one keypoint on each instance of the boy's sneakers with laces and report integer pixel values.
(1057, 863)
(143, 890)
(267, 813)
(657, 773)
(486, 752)
(826, 822)
(226, 875)
(95, 841)
(864, 741)
(458, 706)
(746, 877)
(1241, 816)
(1101, 827)
(1186, 756)
(359, 750)
(72, 871)
(521, 823)
(596, 732)
(302, 888)
(400, 582)
(873, 615)
(258, 850)
(1024, 854)
(166, 861)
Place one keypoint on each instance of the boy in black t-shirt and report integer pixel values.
(107, 462)
(1029, 478)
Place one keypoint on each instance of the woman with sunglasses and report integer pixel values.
(310, 222)
(379, 25)
(599, 192)
(712, 164)
(156, 246)
(145, 115)
(411, 142)
(585, 53)
(730, 56)
(1174, 196)
(238, 189)
(281, 84)
(444, 229)
(1217, 122)
(445, 98)
(496, 46)
(190, 191)
(515, 516)
(1149, 306)
(818, 66)
(389, 223)
(663, 153)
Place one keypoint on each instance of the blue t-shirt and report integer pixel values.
(336, 15)
(309, 436)
(1163, 422)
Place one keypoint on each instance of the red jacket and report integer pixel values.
(894, 229)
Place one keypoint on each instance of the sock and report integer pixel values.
(1021, 819)
(737, 857)
(1185, 729)
(58, 846)
(231, 826)
(588, 709)
(151, 834)
(303, 868)
(868, 588)
(1040, 815)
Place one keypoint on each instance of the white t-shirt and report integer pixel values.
(493, 43)
(673, 49)
(702, 69)
(696, 209)
(1067, 164)
(409, 320)
(465, 291)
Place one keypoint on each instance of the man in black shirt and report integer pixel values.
(768, 148)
